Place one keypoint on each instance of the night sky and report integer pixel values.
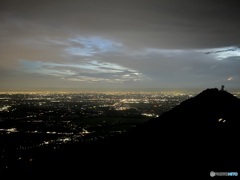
(131, 44)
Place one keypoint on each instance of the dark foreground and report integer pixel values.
(198, 136)
(175, 155)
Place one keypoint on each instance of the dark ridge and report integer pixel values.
(201, 134)
(212, 108)
(212, 111)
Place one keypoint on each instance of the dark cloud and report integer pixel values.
(231, 49)
(169, 42)
(165, 24)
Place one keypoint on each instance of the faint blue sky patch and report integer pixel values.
(90, 46)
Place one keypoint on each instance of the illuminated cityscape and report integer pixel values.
(43, 120)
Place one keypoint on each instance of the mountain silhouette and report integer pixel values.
(200, 135)
(210, 109)
(197, 136)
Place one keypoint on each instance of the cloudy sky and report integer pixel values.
(132, 44)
